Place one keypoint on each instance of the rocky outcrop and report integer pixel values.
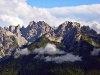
(21, 40)
(89, 31)
(12, 28)
(16, 32)
(65, 31)
(13, 37)
(71, 34)
(35, 30)
(10, 39)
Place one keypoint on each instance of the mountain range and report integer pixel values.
(39, 49)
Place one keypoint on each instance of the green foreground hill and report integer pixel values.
(27, 65)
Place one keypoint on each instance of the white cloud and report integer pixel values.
(95, 52)
(81, 13)
(96, 26)
(11, 19)
(84, 14)
(19, 12)
(49, 49)
(59, 59)
(21, 52)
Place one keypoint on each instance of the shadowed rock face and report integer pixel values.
(15, 36)
(35, 30)
(70, 34)
(89, 31)
(65, 32)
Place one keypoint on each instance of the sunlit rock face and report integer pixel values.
(68, 33)
(10, 39)
(35, 30)
(65, 31)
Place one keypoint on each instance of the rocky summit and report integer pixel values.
(67, 33)
(39, 49)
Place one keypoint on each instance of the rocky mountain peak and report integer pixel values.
(32, 23)
(18, 26)
(12, 28)
(6, 28)
(89, 31)
(65, 23)
(15, 29)
(35, 30)
(75, 24)
(68, 33)
(71, 33)
(10, 39)
(71, 24)
(65, 30)
(41, 22)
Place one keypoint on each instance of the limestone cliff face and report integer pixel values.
(71, 34)
(65, 31)
(15, 31)
(21, 40)
(5, 42)
(89, 31)
(10, 39)
(13, 37)
(35, 30)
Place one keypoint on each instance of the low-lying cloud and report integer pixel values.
(21, 52)
(95, 52)
(59, 59)
(49, 49)
(51, 54)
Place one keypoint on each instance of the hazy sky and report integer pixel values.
(53, 12)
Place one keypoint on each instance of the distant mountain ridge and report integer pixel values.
(69, 49)
(68, 33)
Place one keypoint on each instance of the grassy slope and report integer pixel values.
(91, 39)
(41, 42)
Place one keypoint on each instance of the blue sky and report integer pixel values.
(60, 3)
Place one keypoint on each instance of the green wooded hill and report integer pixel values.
(27, 65)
